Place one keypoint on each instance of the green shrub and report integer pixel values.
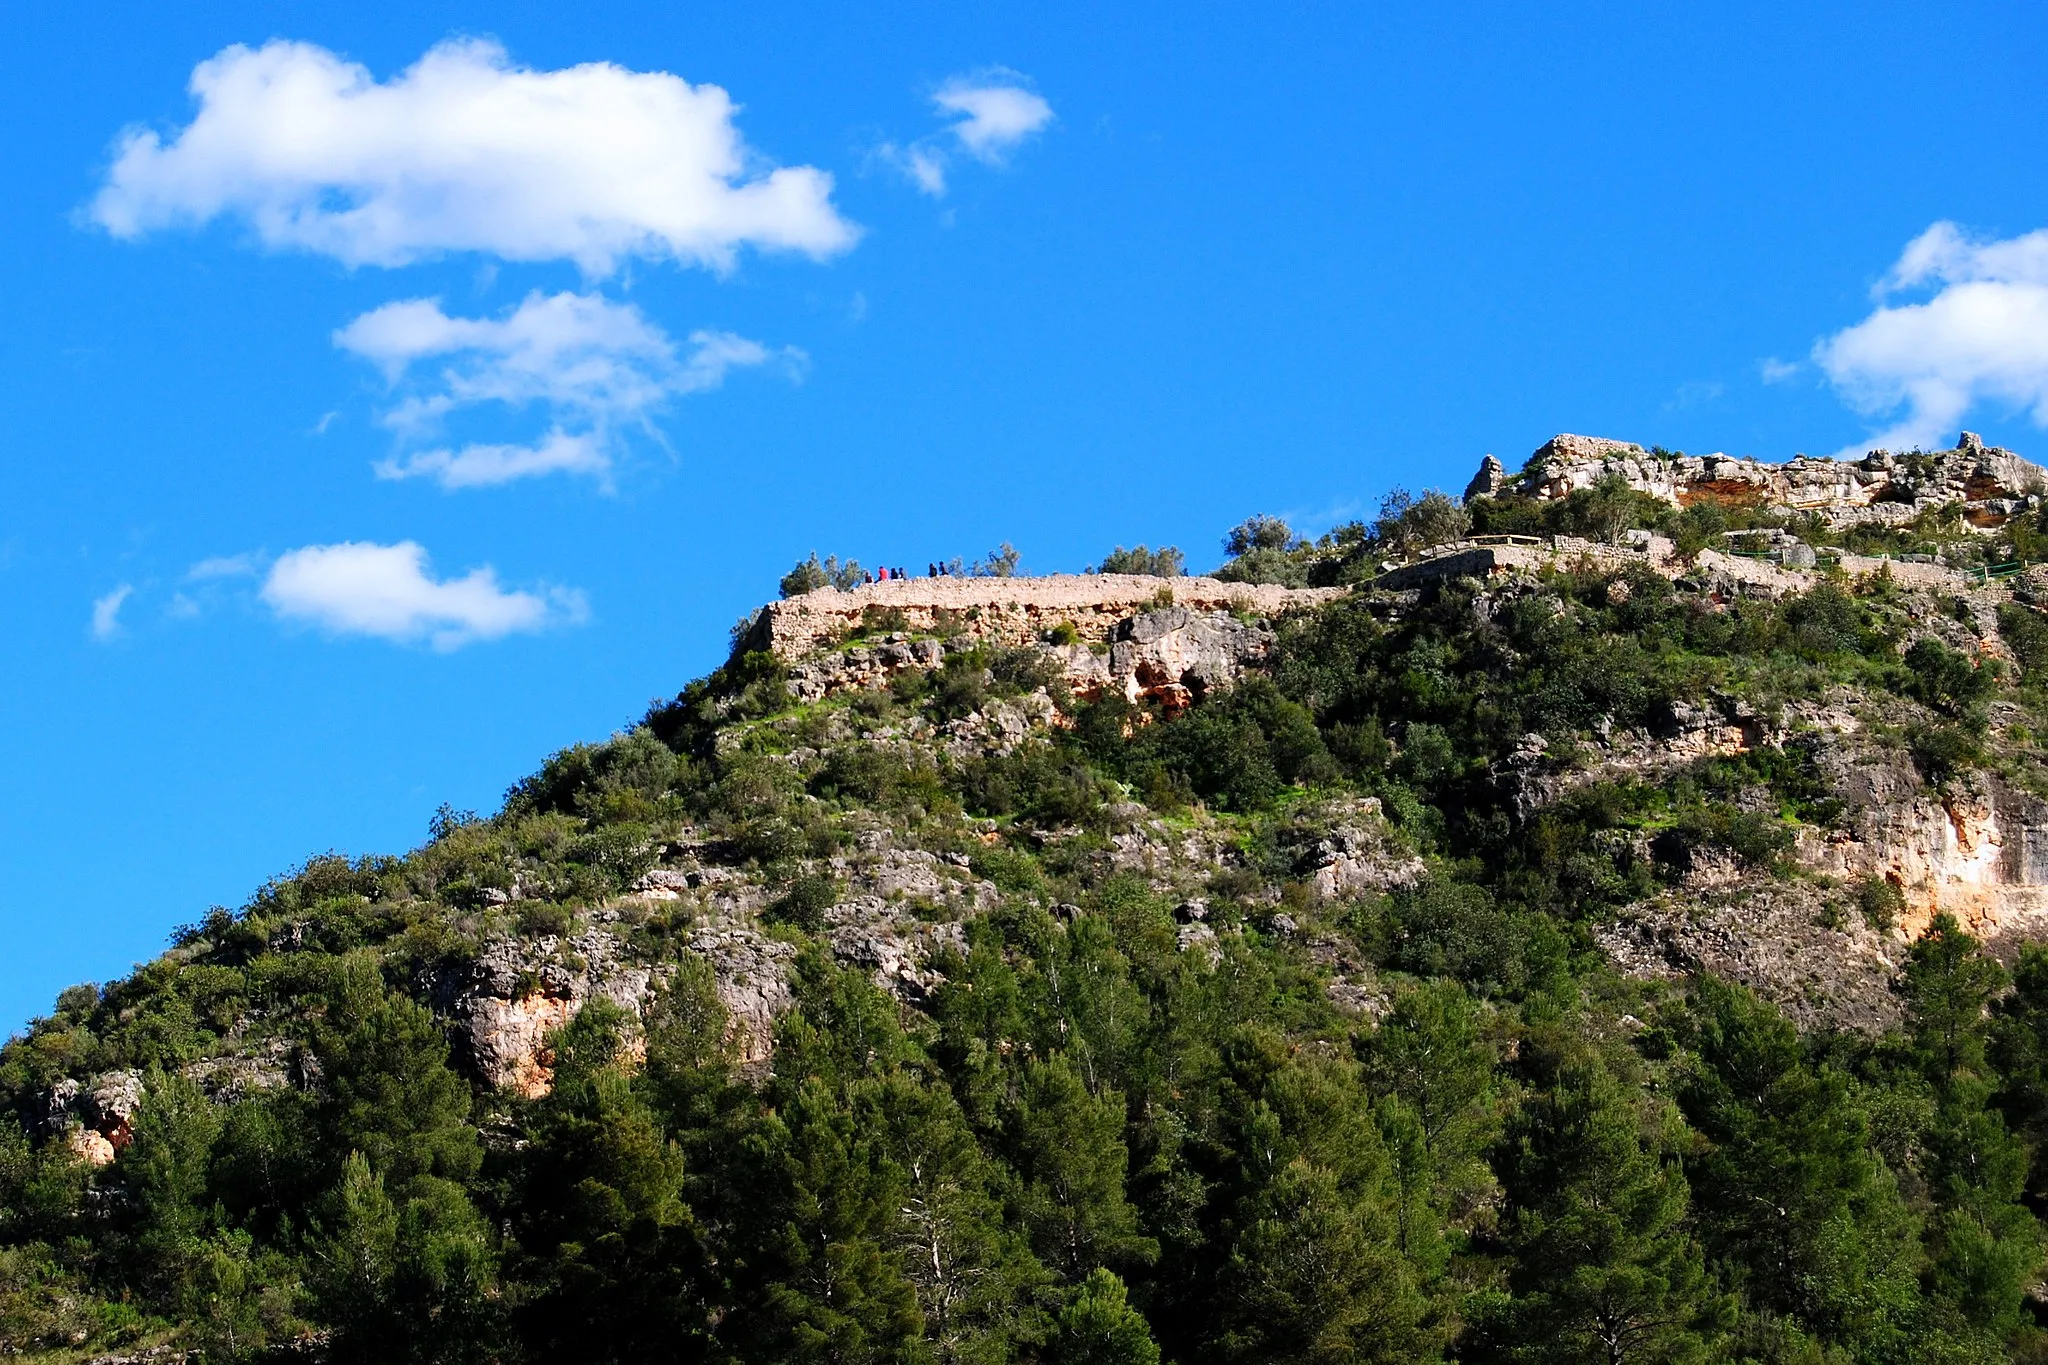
(1013, 871)
(1164, 562)
(809, 575)
(1881, 902)
(804, 904)
(1017, 672)
(1943, 752)
(959, 688)
(1442, 928)
(2025, 632)
(1946, 679)
(545, 918)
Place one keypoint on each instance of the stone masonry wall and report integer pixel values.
(1010, 611)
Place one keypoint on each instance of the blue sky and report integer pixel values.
(398, 396)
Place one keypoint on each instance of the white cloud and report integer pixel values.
(464, 151)
(1982, 336)
(1694, 393)
(597, 366)
(225, 566)
(997, 112)
(994, 112)
(106, 613)
(1775, 371)
(484, 466)
(389, 592)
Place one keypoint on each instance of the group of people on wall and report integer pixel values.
(933, 570)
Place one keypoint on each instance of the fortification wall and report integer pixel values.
(1754, 577)
(1010, 611)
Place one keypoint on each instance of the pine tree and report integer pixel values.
(2019, 1053)
(166, 1167)
(1604, 1269)
(393, 1097)
(1314, 1276)
(602, 1212)
(824, 1282)
(353, 1255)
(1068, 1146)
(1791, 1197)
(1987, 1246)
(1098, 1326)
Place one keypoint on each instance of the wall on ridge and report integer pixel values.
(1010, 611)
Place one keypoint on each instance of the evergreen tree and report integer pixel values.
(353, 1256)
(1098, 1326)
(1436, 1113)
(1604, 1269)
(1949, 986)
(616, 1256)
(411, 1284)
(1068, 1146)
(166, 1166)
(1986, 1246)
(1314, 1276)
(976, 1280)
(1791, 1197)
(2019, 1052)
(824, 1284)
(392, 1096)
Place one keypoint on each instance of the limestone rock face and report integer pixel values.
(1977, 850)
(1992, 484)
(752, 975)
(1004, 611)
(94, 1119)
(516, 992)
(1176, 656)
(1171, 655)
(1774, 937)
(1488, 482)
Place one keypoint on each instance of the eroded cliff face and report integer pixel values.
(1975, 847)
(1172, 655)
(507, 1001)
(1991, 483)
(93, 1119)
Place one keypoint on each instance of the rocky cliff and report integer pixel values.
(1991, 484)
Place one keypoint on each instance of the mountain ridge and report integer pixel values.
(1127, 967)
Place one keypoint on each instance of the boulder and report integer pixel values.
(1488, 482)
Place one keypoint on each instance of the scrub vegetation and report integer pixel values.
(1086, 1142)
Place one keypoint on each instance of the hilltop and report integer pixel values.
(1594, 918)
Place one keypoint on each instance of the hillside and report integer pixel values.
(1589, 920)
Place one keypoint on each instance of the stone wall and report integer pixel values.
(1008, 611)
(1748, 577)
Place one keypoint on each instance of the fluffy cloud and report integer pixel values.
(1982, 335)
(993, 112)
(996, 112)
(389, 592)
(106, 613)
(464, 151)
(598, 367)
